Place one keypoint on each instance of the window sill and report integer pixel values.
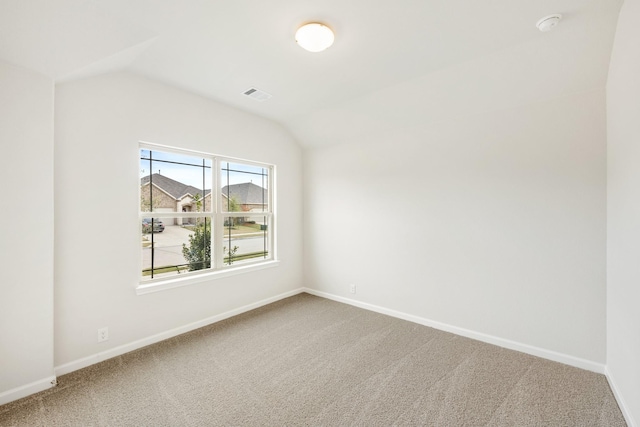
(177, 282)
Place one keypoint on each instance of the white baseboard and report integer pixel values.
(117, 351)
(27, 389)
(621, 402)
(501, 342)
(37, 386)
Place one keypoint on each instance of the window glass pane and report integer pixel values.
(244, 188)
(174, 249)
(245, 239)
(174, 182)
(176, 186)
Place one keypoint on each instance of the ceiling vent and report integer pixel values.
(256, 94)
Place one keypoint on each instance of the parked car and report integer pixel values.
(158, 226)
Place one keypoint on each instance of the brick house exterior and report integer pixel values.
(171, 196)
(250, 197)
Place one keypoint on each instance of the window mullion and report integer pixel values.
(153, 250)
(218, 226)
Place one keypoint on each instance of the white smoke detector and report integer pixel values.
(548, 22)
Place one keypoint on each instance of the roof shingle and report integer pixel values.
(247, 193)
(176, 189)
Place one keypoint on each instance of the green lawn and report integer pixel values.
(182, 269)
(236, 229)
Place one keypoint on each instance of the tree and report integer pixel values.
(233, 206)
(231, 253)
(197, 199)
(198, 253)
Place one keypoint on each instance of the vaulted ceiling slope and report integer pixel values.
(393, 64)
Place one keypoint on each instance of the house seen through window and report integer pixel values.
(201, 213)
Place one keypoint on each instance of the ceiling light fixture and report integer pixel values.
(548, 22)
(314, 37)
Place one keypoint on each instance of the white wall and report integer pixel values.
(623, 231)
(26, 215)
(99, 122)
(492, 222)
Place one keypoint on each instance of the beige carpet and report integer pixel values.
(310, 361)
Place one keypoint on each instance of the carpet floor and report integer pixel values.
(310, 361)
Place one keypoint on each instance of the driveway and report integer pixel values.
(168, 245)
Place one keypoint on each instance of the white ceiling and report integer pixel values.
(393, 64)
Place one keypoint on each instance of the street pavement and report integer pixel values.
(168, 246)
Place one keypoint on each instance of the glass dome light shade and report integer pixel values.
(314, 37)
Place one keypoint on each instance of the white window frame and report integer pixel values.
(217, 215)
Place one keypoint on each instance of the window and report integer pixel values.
(202, 214)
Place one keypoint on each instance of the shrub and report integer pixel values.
(198, 253)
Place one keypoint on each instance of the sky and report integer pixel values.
(191, 172)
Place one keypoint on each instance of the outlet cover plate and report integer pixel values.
(103, 334)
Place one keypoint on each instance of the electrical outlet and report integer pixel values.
(103, 334)
(352, 288)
